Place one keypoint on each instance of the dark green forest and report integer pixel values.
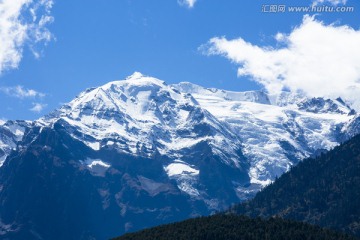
(234, 227)
(323, 191)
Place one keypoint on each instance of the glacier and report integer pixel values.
(276, 131)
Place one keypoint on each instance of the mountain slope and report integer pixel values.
(231, 227)
(47, 193)
(99, 167)
(324, 191)
(143, 117)
(136, 153)
(11, 132)
(276, 131)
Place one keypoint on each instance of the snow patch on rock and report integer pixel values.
(180, 168)
(96, 166)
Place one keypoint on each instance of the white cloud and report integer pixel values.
(333, 2)
(21, 92)
(188, 3)
(22, 22)
(316, 59)
(38, 107)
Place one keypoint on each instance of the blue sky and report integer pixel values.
(88, 43)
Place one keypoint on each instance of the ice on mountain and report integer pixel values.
(96, 166)
(185, 175)
(180, 168)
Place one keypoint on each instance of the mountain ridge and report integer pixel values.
(148, 151)
(273, 135)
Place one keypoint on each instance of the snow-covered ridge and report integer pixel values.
(276, 131)
(213, 93)
(11, 132)
(321, 105)
(282, 99)
(132, 110)
(143, 116)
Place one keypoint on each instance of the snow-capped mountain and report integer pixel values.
(142, 116)
(138, 152)
(276, 131)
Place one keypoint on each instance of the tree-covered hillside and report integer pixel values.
(232, 227)
(323, 191)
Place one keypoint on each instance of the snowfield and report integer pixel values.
(143, 116)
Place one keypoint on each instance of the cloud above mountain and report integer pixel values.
(187, 3)
(23, 23)
(21, 92)
(38, 107)
(314, 58)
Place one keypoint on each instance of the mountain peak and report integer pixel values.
(135, 75)
(137, 79)
(144, 113)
